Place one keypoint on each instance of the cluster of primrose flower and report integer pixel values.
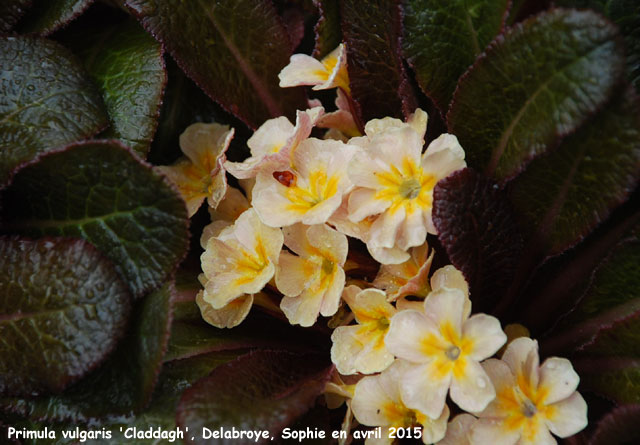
(413, 339)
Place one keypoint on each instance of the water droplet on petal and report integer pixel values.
(481, 382)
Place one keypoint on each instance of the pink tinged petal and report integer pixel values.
(302, 70)
(492, 431)
(449, 276)
(459, 430)
(230, 315)
(434, 429)
(558, 377)
(412, 232)
(254, 235)
(363, 168)
(368, 305)
(446, 305)
(354, 351)
(421, 392)
(522, 357)
(295, 238)
(274, 133)
(303, 309)
(270, 203)
(443, 156)
(338, 77)
(331, 297)
(568, 416)
(388, 255)
(321, 212)
(363, 203)
(329, 242)
(473, 390)
(203, 144)
(231, 207)
(384, 230)
(292, 274)
(408, 331)
(485, 333)
(218, 187)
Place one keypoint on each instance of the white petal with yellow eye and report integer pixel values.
(407, 332)
(558, 377)
(302, 70)
(568, 416)
(473, 390)
(486, 333)
(522, 357)
(422, 392)
(446, 305)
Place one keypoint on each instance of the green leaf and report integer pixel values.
(100, 191)
(47, 16)
(378, 80)
(125, 383)
(47, 100)
(327, 29)
(442, 38)
(233, 49)
(62, 311)
(127, 65)
(538, 82)
(625, 14)
(263, 390)
(564, 194)
(11, 11)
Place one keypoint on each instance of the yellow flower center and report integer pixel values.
(319, 188)
(406, 187)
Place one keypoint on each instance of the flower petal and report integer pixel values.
(493, 431)
(449, 276)
(459, 430)
(486, 334)
(302, 70)
(522, 357)
(443, 156)
(422, 392)
(407, 331)
(292, 274)
(568, 416)
(230, 315)
(446, 305)
(472, 391)
(433, 430)
(558, 377)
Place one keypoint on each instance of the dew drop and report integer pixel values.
(481, 382)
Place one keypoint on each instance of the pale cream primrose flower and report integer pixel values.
(200, 174)
(444, 347)
(340, 120)
(459, 430)
(377, 401)
(230, 315)
(310, 191)
(408, 278)
(330, 72)
(228, 210)
(360, 348)
(272, 144)
(240, 260)
(313, 279)
(394, 181)
(531, 400)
